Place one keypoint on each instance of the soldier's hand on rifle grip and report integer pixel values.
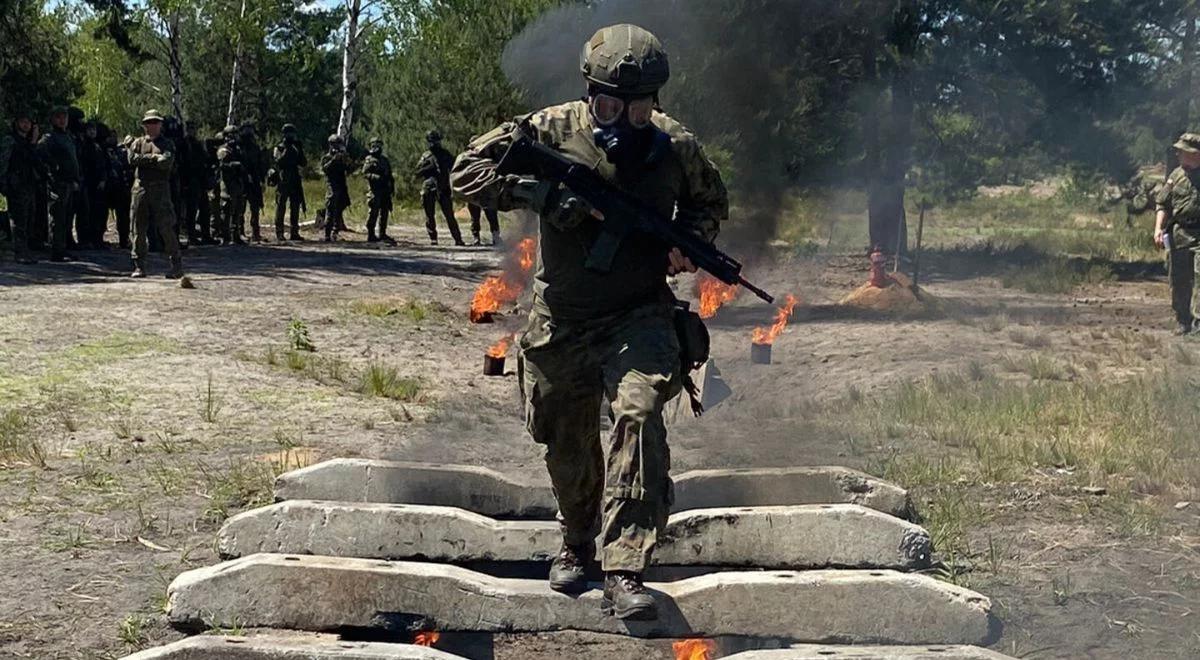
(679, 263)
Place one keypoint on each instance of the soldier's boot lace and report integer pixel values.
(176, 271)
(568, 570)
(625, 597)
(138, 272)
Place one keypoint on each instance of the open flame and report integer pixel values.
(499, 290)
(427, 638)
(769, 335)
(500, 348)
(713, 294)
(693, 649)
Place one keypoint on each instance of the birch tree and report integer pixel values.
(358, 22)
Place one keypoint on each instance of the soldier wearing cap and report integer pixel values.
(152, 158)
(604, 332)
(377, 170)
(434, 168)
(234, 178)
(335, 164)
(58, 151)
(1177, 228)
(288, 160)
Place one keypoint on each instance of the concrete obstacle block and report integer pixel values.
(481, 490)
(326, 594)
(824, 652)
(781, 537)
(490, 493)
(286, 646)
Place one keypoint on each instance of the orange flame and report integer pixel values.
(768, 335)
(500, 348)
(693, 649)
(713, 294)
(427, 638)
(499, 290)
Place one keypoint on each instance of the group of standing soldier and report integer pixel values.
(170, 184)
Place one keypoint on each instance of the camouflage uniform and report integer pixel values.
(233, 188)
(377, 170)
(153, 163)
(58, 151)
(335, 164)
(255, 162)
(1180, 199)
(593, 334)
(24, 172)
(120, 196)
(289, 187)
(434, 167)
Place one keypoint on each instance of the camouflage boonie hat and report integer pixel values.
(152, 115)
(1189, 142)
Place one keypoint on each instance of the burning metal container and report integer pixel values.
(760, 353)
(493, 359)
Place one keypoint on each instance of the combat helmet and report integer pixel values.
(375, 143)
(626, 60)
(334, 139)
(433, 136)
(229, 132)
(289, 128)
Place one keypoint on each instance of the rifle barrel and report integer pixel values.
(756, 291)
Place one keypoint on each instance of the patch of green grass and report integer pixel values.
(385, 381)
(1055, 276)
(132, 632)
(410, 310)
(119, 346)
(298, 337)
(240, 484)
(18, 439)
(211, 401)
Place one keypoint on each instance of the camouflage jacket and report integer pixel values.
(58, 152)
(684, 185)
(153, 162)
(23, 168)
(434, 167)
(289, 160)
(1180, 198)
(377, 170)
(232, 169)
(254, 160)
(335, 165)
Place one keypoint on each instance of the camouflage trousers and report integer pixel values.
(61, 209)
(21, 205)
(622, 485)
(153, 204)
(1183, 264)
(233, 215)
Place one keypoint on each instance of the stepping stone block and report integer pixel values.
(491, 493)
(823, 652)
(781, 537)
(285, 646)
(326, 594)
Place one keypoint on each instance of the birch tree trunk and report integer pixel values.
(350, 67)
(235, 79)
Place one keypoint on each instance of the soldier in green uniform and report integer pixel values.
(288, 160)
(255, 162)
(377, 170)
(58, 150)
(434, 168)
(593, 334)
(335, 164)
(233, 187)
(1177, 228)
(24, 172)
(152, 158)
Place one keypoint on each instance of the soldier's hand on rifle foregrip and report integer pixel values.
(679, 263)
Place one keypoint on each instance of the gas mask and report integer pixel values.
(625, 133)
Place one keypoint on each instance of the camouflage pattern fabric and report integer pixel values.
(57, 149)
(289, 160)
(592, 334)
(153, 163)
(233, 191)
(1180, 199)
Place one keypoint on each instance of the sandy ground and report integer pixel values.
(160, 412)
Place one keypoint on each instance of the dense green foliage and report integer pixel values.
(947, 94)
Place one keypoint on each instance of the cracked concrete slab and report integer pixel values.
(286, 646)
(826, 652)
(780, 537)
(332, 594)
(491, 493)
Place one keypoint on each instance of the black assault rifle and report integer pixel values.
(623, 213)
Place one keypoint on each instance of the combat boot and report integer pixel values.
(625, 597)
(568, 570)
(496, 242)
(371, 237)
(176, 271)
(476, 241)
(137, 273)
(387, 239)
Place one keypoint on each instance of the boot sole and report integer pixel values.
(643, 613)
(576, 586)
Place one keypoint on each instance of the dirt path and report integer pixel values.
(158, 411)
